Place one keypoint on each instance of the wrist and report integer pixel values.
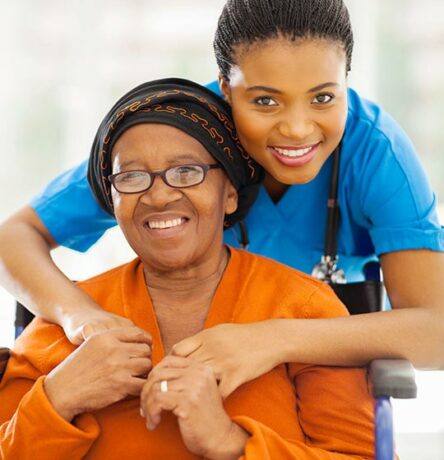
(79, 305)
(58, 401)
(233, 446)
(276, 336)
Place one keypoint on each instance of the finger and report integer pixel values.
(187, 346)
(226, 387)
(76, 338)
(140, 367)
(135, 386)
(175, 361)
(121, 321)
(157, 375)
(137, 350)
(133, 335)
(151, 388)
(165, 373)
(159, 402)
(90, 329)
(162, 371)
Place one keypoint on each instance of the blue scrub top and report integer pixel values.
(385, 199)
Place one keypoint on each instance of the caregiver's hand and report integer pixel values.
(106, 368)
(88, 321)
(193, 396)
(237, 353)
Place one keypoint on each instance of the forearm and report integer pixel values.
(28, 273)
(416, 334)
(233, 446)
(37, 427)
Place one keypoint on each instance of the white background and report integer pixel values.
(64, 63)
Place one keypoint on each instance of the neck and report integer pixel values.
(275, 189)
(181, 289)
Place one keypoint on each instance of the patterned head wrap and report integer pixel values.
(194, 110)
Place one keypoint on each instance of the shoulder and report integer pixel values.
(284, 291)
(370, 129)
(106, 288)
(380, 160)
(69, 210)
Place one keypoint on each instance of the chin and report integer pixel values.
(168, 261)
(294, 177)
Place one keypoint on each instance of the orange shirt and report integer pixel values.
(294, 411)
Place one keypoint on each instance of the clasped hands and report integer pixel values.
(116, 363)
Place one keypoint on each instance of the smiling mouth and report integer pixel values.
(165, 228)
(165, 224)
(294, 152)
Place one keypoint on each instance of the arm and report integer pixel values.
(36, 420)
(413, 330)
(25, 268)
(26, 265)
(27, 415)
(37, 411)
(65, 213)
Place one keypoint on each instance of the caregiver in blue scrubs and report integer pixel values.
(285, 76)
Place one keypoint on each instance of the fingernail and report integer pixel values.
(142, 414)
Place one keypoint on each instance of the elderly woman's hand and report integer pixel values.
(106, 368)
(237, 353)
(193, 396)
(89, 321)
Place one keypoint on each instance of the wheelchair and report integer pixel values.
(388, 378)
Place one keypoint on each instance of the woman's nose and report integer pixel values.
(295, 125)
(160, 194)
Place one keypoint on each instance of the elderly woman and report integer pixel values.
(167, 163)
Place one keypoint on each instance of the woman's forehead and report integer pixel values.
(158, 143)
(301, 64)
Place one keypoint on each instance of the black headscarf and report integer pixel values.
(194, 110)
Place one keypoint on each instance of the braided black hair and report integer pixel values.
(246, 22)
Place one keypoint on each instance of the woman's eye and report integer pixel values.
(321, 99)
(266, 101)
(185, 170)
(129, 176)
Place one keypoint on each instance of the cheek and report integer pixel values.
(252, 129)
(209, 205)
(124, 206)
(333, 124)
(335, 119)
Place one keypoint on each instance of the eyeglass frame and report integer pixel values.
(162, 175)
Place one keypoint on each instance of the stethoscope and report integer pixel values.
(327, 268)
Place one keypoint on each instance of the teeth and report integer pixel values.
(293, 153)
(166, 223)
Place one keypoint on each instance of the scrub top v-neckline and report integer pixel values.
(142, 311)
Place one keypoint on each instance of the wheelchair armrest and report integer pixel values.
(393, 378)
(5, 353)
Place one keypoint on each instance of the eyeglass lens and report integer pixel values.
(179, 176)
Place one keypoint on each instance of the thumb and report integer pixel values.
(187, 346)
(75, 337)
(226, 387)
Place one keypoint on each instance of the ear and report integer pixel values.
(224, 86)
(231, 199)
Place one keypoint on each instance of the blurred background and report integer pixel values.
(65, 63)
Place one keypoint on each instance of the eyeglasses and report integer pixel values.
(177, 177)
